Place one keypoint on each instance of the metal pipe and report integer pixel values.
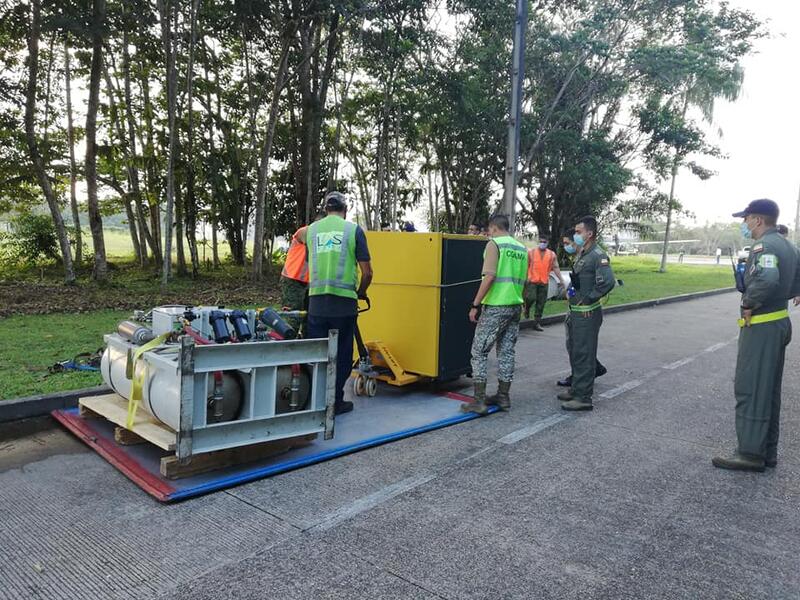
(135, 333)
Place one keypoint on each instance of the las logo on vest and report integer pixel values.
(329, 241)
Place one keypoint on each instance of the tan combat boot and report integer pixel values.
(478, 404)
(501, 399)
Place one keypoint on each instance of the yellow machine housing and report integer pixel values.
(423, 285)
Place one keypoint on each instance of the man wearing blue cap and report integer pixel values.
(772, 277)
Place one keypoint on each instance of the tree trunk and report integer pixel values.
(381, 165)
(180, 251)
(133, 169)
(318, 117)
(333, 168)
(73, 199)
(676, 163)
(33, 146)
(213, 176)
(263, 167)
(169, 57)
(191, 196)
(50, 59)
(152, 195)
(445, 190)
(138, 249)
(395, 171)
(100, 270)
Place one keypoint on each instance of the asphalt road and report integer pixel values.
(619, 503)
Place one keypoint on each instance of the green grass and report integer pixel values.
(118, 245)
(642, 281)
(32, 342)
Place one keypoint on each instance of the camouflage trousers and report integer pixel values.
(293, 297)
(498, 325)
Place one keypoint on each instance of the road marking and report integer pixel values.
(521, 434)
(393, 490)
(371, 501)
(680, 363)
(614, 392)
(716, 347)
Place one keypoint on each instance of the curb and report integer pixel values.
(37, 406)
(618, 308)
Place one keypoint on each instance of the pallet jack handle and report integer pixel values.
(362, 349)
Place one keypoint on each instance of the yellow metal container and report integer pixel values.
(421, 292)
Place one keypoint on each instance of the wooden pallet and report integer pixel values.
(114, 408)
(147, 429)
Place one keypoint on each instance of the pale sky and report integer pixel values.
(761, 130)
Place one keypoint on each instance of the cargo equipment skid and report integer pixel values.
(212, 402)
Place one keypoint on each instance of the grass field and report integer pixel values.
(642, 281)
(118, 245)
(32, 342)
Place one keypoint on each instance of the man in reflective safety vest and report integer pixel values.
(541, 262)
(499, 300)
(772, 277)
(592, 278)
(337, 250)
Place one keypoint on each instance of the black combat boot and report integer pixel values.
(739, 462)
(577, 405)
(478, 404)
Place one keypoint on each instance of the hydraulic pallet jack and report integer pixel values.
(376, 362)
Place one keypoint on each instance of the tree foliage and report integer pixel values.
(234, 118)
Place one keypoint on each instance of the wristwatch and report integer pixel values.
(476, 306)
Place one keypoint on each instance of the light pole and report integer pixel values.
(797, 221)
(515, 112)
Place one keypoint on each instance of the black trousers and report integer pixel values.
(318, 327)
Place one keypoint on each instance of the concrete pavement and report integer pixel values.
(619, 503)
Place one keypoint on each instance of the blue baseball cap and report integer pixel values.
(763, 206)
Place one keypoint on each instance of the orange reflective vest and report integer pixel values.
(539, 267)
(296, 265)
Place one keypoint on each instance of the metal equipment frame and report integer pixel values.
(257, 363)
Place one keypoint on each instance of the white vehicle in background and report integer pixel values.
(553, 289)
(744, 253)
(627, 250)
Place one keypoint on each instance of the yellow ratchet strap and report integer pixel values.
(138, 379)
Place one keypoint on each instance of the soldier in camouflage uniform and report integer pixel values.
(499, 299)
(293, 297)
(771, 277)
(592, 278)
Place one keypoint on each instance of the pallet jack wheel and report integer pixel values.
(371, 387)
(359, 385)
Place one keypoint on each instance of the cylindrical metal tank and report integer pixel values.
(161, 389)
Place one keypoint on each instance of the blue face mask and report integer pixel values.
(543, 246)
(578, 238)
(746, 231)
(570, 249)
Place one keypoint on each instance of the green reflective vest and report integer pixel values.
(512, 272)
(332, 257)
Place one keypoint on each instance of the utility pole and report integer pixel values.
(515, 112)
(797, 221)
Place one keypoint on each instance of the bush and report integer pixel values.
(32, 239)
